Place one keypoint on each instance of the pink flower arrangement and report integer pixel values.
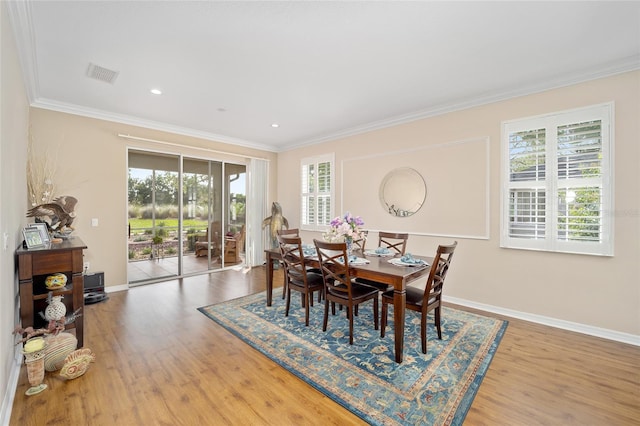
(347, 228)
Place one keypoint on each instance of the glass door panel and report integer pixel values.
(235, 206)
(154, 222)
(202, 215)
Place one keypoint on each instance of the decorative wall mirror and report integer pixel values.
(402, 192)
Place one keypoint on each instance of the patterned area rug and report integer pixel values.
(432, 389)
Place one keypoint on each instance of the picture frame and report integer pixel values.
(44, 231)
(32, 237)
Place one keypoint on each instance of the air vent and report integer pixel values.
(103, 74)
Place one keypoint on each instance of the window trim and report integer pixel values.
(323, 158)
(551, 242)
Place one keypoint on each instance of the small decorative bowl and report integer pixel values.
(55, 281)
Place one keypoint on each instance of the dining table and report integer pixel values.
(378, 268)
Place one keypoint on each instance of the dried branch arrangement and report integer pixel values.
(41, 169)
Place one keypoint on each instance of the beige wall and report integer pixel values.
(14, 125)
(597, 292)
(92, 166)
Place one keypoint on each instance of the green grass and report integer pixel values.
(168, 223)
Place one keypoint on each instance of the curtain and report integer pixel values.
(257, 210)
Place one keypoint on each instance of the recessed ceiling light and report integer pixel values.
(275, 125)
(156, 91)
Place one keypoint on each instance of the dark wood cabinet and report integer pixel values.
(34, 265)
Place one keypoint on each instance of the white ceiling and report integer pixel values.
(322, 70)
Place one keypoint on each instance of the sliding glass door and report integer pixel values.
(186, 215)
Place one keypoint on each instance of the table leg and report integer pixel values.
(399, 300)
(269, 279)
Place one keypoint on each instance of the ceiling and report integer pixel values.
(321, 70)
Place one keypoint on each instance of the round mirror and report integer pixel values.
(402, 192)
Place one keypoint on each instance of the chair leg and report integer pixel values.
(423, 331)
(288, 303)
(383, 319)
(375, 312)
(307, 297)
(350, 315)
(326, 314)
(284, 286)
(437, 318)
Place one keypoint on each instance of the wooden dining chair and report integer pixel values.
(338, 286)
(397, 243)
(393, 241)
(360, 243)
(293, 232)
(297, 278)
(427, 299)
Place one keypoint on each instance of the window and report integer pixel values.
(317, 174)
(557, 185)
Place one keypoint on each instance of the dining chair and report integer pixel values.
(297, 278)
(338, 286)
(293, 232)
(427, 299)
(394, 241)
(360, 243)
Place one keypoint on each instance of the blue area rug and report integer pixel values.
(432, 389)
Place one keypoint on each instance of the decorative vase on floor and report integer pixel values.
(33, 351)
(58, 348)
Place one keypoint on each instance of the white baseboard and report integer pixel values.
(604, 333)
(114, 288)
(12, 386)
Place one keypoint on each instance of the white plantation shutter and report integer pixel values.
(317, 175)
(556, 181)
(580, 202)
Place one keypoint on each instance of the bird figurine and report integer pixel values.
(58, 214)
(275, 222)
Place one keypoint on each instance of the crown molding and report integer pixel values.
(148, 124)
(20, 17)
(628, 64)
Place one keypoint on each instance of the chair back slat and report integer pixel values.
(437, 274)
(393, 241)
(334, 265)
(293, 259)
(293, 232)
(359, 244)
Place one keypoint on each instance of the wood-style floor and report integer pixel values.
(161, 362)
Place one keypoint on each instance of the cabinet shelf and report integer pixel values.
(57, 292)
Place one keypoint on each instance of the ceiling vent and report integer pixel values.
(103, 74)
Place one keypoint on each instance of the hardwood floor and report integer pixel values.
(161, 362)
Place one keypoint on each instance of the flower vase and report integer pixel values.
(34, 350)
(349, 242)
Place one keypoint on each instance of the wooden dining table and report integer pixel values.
(378, 269)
